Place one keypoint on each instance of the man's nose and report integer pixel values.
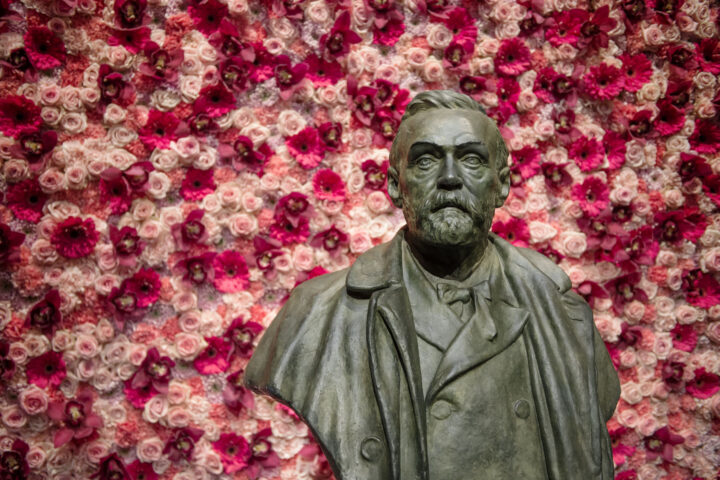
(448, 177)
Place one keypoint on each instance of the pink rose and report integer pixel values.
(155, 409)
(184, 300)
(647, 425)
(177, 392)
(635, 311)
(189, 345)
(433, 70)
(361, 138)
(33, 400)
(573, 244)
(96, 450)
(290, 122)
(608, 326)
(377, 202)
(178, 417)
(35, 457)
(674, 278)
(13, 417)
(242, 224)
(663, 345)
(416, 56)
(150, 449)
(686, 314)
(136, 354)
(710, 259)
(85, 369)
(303, 257)
(630, 392)
(190, 321)
(713, 332)
(86, 346)
(360, 242)
(628, 358)
(18, 353)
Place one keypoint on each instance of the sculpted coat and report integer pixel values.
(343, 353)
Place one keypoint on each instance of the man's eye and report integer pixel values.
(473, 160)
(424, 162)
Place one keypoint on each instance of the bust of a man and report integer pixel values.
(447, 352)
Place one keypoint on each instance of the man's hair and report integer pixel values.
(451, 100)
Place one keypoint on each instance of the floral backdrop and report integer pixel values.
(171, 170)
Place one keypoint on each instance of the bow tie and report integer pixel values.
(449, 294)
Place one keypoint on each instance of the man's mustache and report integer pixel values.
(443, 199)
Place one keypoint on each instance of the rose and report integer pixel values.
(438, 36)
(184, 300)
(178, 392)
(43, 251)
(303, 257)
(178, 417)
(387, 72)
(13, 417)
(158, 185)
(318, 12)
(33, 400)
(189, 345)
(377, 202)
(15, 170)
(360, 242)
(96, 450)
(663, 345)
(710, 259)
(86, 346)
(433, 70)
(608, 326)
(686, 314)
(85, 369)
(242, 224)
(630, 392)
(190, 321)
(63, 340)
(416, 56)
(635, 311)
(52, 180)
(36, 456)
(573, 244)
(155, 408)
(150, 449)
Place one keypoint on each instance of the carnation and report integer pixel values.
(603, 81)
(75, 237)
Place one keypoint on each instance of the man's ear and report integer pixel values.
(504, 176)
(393, 187)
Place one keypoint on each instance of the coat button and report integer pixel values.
(522, 408)
(371, 448)
(441, 409)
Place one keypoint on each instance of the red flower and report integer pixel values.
(473, 85)
(458, 53)
(127, 243)
(624, 289)
(508, 91)
(385, 124)
(564, 27)
(527, 161)
(262, 454)
(591, 291)
(515, 231)
(139, 470)
(704, 385)
(265, 252)
(115, 190)
(45, 315)
(130, 14)
(556, 177)
(338, 40)
(306, 148)
(44, 48)
(603, 81)
(331, 135)
(75, 237)
(234, 452)
(10, 240)
(701, 289)
(389, 30)
(18, 114)
(197, 270)
(592, 195)
(640, 124)
(705, 137)
(244, 156)
(595, 30)
(214, 100)
(234, 73)
(670, 119)
(236, 397)
(231, 272)
(661, 443)
(672, 375)
(615, 149)
(111, 468)
(332, 240)
(375, 175)
(133, 40)
(161, 129)
(112, 86)
(684, 337)
(588, 153)
(19, 62)
(551, 86)
(151, 378)
(76, 418)
(293, 206)
(328, 185)
(637, 71)
(46, 369)
(182, 444)
(288, 76)
(207, 15)
(636, 248)
(678, 225)
(190, 232)
(323, 72)
(161, 64)
(290, 230)
(262, 60)
(707, 53)
(513, 57)
(242, 336)
(34, 145)
(122, 304)
(197, 184)
(215, 357)
(13, 465)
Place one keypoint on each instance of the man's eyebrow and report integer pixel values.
(424, 146)
(462, 146)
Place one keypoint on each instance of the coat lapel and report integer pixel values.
(470, 348)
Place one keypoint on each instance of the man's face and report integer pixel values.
(447, 180)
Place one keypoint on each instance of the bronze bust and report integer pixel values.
(447, 352)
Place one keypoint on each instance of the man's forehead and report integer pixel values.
(449, 127)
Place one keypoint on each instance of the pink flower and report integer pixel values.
(190, 232)
(331, 135)
(460, 23)
(44, 48)
(10, 240)
(262, 454)
(661, 443)
(75, 237)
(244, 156)
(515, 231)
(151, 378)
(111, 467)
(234, 72)
(592, 195)
(513, 57)
(637, 71)
(290, 230)
(214, 100)
(130, 14)
(595, 30)
(615, 149)
(708, 55)
(182, 444)
(197, 184)
(458, 53)
(338, 40)
(197, 270)
(389, 30)
(207, 15)
(242, 334)
(46, 369)
(603, 81)
(17, 115)
(231, 272)
(551, 86)
(323, 72)
(215, 357)
(115, 190)
(588, 153)
(375, 175)
(672, 375)
(236, 397)
(564, 27)
(34, 145)
(76, 418)
(704, 385)
(706, 136)
(265, 252)
(328, 185)
(45, 315)
(624, 289)
(161, 129)
(234, 452)
(527, 161)
(332, 240)
(306, 148)
(145, 284)
(684, 337)
(556, 177)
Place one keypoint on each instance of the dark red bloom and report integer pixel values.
(527, 161)
(681, 58)
(331, 135)
(693, 166)
(701, 289)
(214, 100)
(323, 72)
(670, 119)
(388, 31)
(603, 81)
(190, 232)
(263, 62)
(112, 86)
(592, 195)
(288, 8)
(202, 124)
(361, 101)
(637, 71)
(241, 335)
(624, 289)
(337, 41)
(197, 184)
(153, 375)
(44, 48)
(332, 240)
(162, 65)
(461, 23)
(614, 145)
(127, 243)
(18, 114)
(704, 385)
(141, 471)
(122, 303)
(265, 252)
(133, 40)
(115, 190)
(75, 237)
(678, 225)
(513, 57)
(76, 418)
(385, 124)
(160, 129)
(640, 125)
(13, 465)
(551, 86)
(197, 270)
(234, 452)
(515, 231)
(34, 145)
(706, 136)
(305, 146)
(473, 86)
(182, 444)
(672, 375)
(226, 39)
(637, 248)
(111, 468)
(458, 53)
(46, 369)
(564, 27)
(375, 175)
(290, 230)
(207, 15)
(707, 53)
(145, 284)
(236, 397)
(231, 272)
(508, 91)
(215, 358)
(19, 62)
(292, 206)
(328, 185)
(45, 315)
(244, 156)
(10, 240)
(235, 73)
(595, 30)
(261, 454)
(288, 76)
(556, 177)
(660, 444)
(130, 14)
(684, 337)
(591, 291)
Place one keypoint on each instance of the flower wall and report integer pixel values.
(171, 170)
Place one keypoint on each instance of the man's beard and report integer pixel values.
(450, 218)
